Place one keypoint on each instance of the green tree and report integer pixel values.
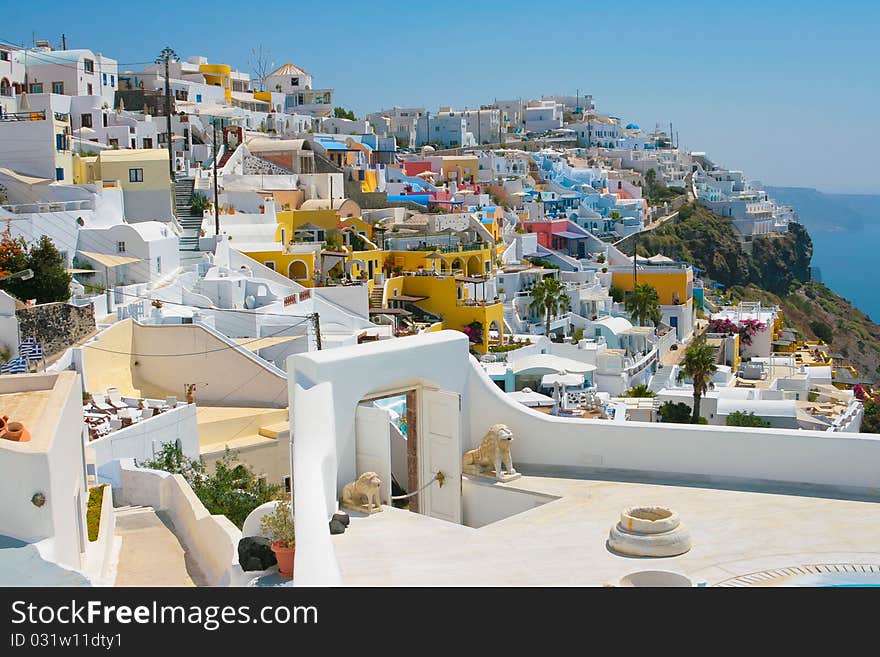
(342, 113)
(51, 281)
(167, 53)
(616, 293)
(549, 296)
(676, 412)
(640, 390)
(822, 331)
(743, 419)
(650, 179)
(698, 364)
(232, 489)
(643, 304)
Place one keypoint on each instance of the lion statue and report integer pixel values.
(492, 453)
(363, 493)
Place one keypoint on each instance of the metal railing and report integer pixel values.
(36, 115)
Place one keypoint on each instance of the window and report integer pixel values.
(294, 82)
(148, 142)
(37, 88)
(57, 87)
(89, 89)
(4, 55)
(287, 484)
(120, 247)
(270, 264)
(86, 120)
(158, 264)
(89, 65)
(114, 143)
(59, 173)
(60, 142)
(198, 98)
(104, 79)
(112, 80)
(135, 175)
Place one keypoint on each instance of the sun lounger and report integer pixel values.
(99, 401)
(114, 398)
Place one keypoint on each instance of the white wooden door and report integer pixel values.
(373, 446)
(440, 450)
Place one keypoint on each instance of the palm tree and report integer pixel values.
(699, 365)
(644, 304)
(640, 390)
(549, 296)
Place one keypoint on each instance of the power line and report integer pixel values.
(194, 353)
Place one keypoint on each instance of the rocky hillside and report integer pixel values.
(701, 237)
(818, 313)
(777, 271)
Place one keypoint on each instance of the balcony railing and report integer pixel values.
(37, 115)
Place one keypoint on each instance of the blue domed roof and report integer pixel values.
(632, 126)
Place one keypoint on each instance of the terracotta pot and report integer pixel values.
(14, 431)
(284, 555)
(3, 422)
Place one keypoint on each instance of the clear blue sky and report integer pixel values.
(786, 91)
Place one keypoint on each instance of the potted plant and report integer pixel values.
(280, 528)
(156, 303)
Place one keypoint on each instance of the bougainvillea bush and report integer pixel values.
(746, 328)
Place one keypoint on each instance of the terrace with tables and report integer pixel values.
(107, 412)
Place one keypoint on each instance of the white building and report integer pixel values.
(44, 482)
(69, 72)
(543, 115)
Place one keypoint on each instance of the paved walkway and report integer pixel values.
(151, 554)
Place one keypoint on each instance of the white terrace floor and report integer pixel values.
(562, 543)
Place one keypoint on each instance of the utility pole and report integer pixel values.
(63, 42)
(316, 323)
(216, 192)
(635, 260)
(168, 118)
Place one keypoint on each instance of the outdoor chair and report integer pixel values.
(114, 397)
(171, 401)
(99, 401)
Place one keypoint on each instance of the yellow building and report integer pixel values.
(143, 175)
(447, 297)
(674, 285)
(459, 167)
(473, 260)
(219, 75)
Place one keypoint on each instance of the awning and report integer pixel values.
(109, 260)
(406, 297)
(567, 234)
(390, 311)
(550, 363)
(567, 380)
(529, 398)
(471, 279)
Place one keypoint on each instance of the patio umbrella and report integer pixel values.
(435, 257)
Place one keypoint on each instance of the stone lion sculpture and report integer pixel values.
(492, 453)
(363, 493)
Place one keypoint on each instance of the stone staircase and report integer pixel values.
(376, 296)
(190, 223)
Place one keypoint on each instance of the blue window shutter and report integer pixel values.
(59, 173)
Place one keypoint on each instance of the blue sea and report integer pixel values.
(845, 229)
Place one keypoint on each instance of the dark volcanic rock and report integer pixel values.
(255, 553)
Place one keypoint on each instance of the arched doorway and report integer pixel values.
(457, 265)
(5, 87)
(496, 333)
(444, 267)
(297, 270)
(474, 266)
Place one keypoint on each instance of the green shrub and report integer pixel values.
(822, 331)
(198, 202)
(93, 511)
(743, 419)
(675, 412)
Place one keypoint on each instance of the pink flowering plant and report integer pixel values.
(746, 329)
